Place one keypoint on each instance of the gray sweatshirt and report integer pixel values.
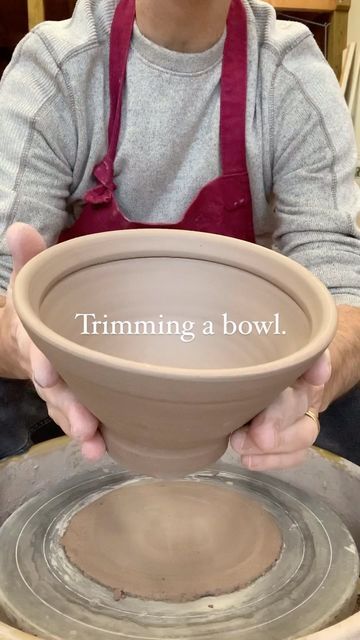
(54, 103)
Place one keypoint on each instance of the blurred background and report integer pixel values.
(334, 23)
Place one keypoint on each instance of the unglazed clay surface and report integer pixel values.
(173, 541)
(168, 402)
(187, 293)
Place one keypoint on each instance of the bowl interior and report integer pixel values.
(177, 312)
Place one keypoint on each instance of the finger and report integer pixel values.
(265, 429)
(24, 243)
(59, 397)
(83, 423)
(94, 449)
(65, 409)
(43, 372)
(320, 371)
(298, 436)
(288, 408)
(60, 419)
(274, 461)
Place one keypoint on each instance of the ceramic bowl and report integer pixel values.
(173, 339)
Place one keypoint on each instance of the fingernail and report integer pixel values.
(252, 462)
(238, 440)
(44, 380)
(247, 461)
(37, 381)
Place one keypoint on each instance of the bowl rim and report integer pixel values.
(24, 306)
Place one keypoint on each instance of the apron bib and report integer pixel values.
(222, 206)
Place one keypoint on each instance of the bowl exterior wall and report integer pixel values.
(167, 426)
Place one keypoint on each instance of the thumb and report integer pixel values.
(24, 243)
(320, 372)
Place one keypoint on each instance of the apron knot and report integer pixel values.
(103, 193)
(99, 195)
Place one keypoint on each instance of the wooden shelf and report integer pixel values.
(303, 5)
(36, 12)
(39, 10)
(337, 22)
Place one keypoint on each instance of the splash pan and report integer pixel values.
(312, 585)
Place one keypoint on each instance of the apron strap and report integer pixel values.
(120, 40)
(234, 92)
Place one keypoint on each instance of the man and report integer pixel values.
(215, 109)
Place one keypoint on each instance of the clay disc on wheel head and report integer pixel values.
(173, 541)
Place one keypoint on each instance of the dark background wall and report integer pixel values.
(14, 23)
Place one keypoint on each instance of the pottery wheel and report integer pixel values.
(312, 584)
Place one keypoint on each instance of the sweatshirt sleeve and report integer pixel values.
(38, 145)
(317, 201)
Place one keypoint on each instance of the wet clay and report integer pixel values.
(174, 541)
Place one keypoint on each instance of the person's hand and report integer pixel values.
(281, 435)
(28, 362)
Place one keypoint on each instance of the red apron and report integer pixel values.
(223, 206)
